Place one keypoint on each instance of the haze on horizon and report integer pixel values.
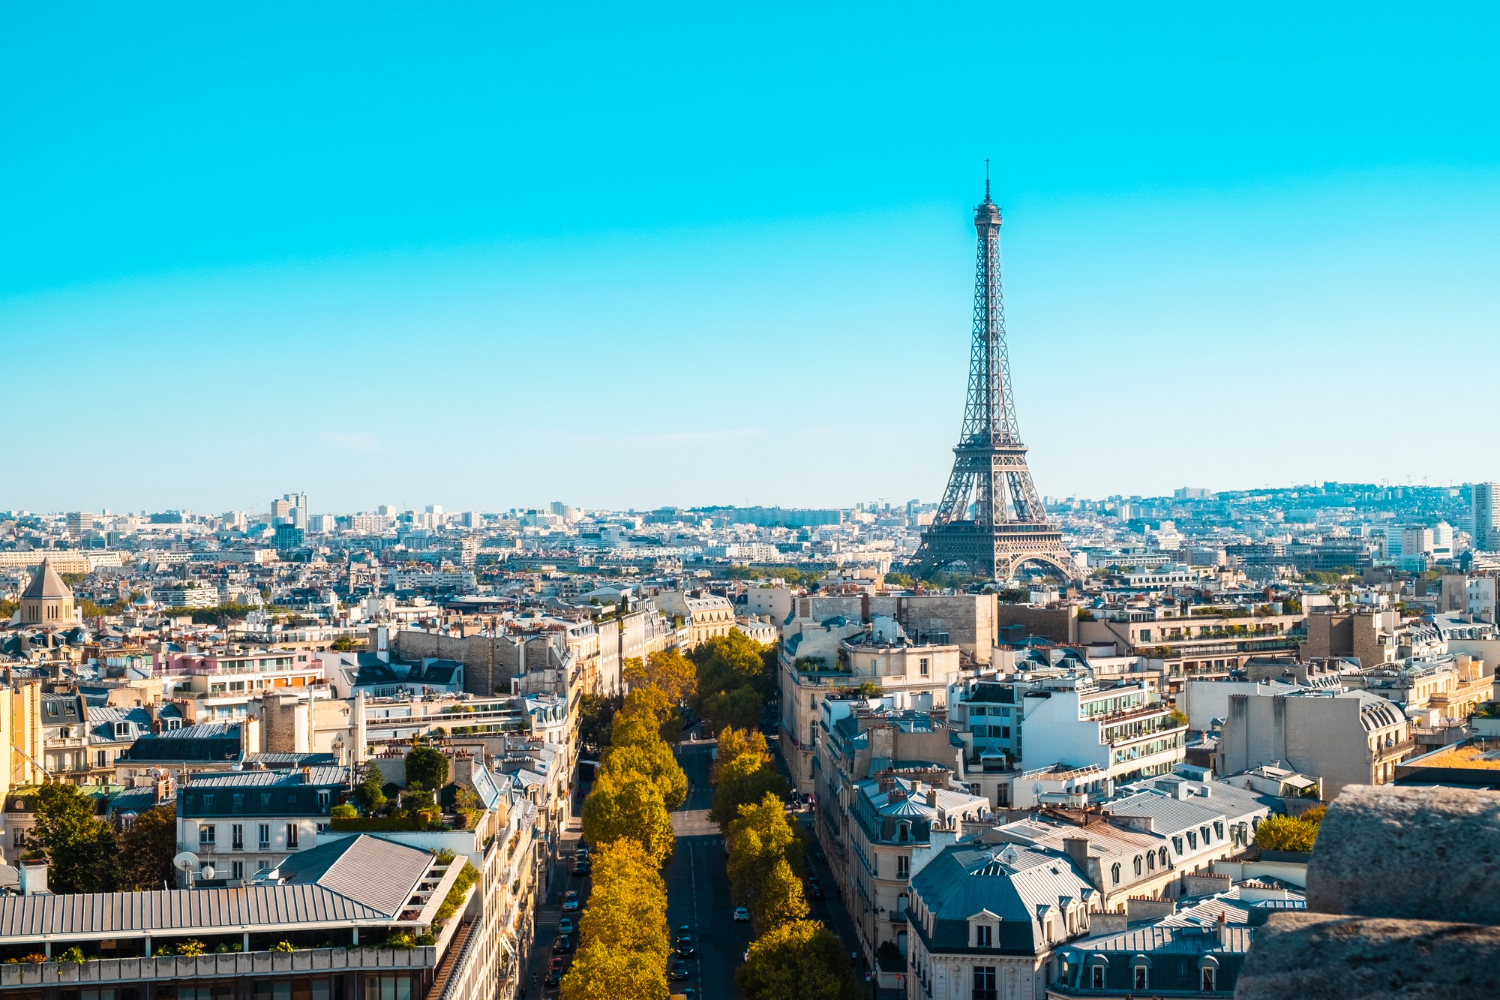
(633, 258)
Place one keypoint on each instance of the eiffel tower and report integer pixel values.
(991, 518)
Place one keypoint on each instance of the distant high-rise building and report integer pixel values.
(387, 510)
(471, 519)
(79, 522)
(234, 520)
(435, 508)
(319, 524)
(1486, 517)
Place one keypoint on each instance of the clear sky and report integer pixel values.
(493, 255)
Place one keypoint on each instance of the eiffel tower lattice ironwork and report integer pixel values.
(991, 517)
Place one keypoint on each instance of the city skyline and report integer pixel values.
(419, 254)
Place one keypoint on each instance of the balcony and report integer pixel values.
(216, 966)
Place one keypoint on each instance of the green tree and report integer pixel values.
(780, 899)
(801, 960)
(80, 848)
(426, 769)
(653, 760)
(757, 839)
(370, 794)
(628, 806)
(1288, 833)
(730, 660)
(596, 714)
(738, 706)
(743, 781)
(147, 849)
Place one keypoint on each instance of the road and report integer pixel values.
(698, 886)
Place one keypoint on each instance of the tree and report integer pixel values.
(629, 806)
(627, 908)
(780, 899)
(1287, 833)
(426, 769)
(757, 839)
(743, 781)
(80, 848)
(147, 849)
(734, 742)
(738, 706)
(596, 715)
(601, 973)
(669, 670)
(370, 794)
(801, 960)
(646, 715)
(654, 761)
(730, 660)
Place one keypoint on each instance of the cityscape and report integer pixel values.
(993, 737)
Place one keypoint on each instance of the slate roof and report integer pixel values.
(379, 874)
(46, 585)
(1014, 883)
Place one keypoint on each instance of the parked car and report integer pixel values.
(583, 867)
(678, 971)
(741, 915)
(570, 900)
(814, 888)
(556, 971)
(565, 925)
(563, 945)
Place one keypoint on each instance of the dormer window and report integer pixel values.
(1137, 865)
(1163, 855)
(1192, 840)
(903, 832)
(984, 936)
(1203, 832)
(1177, 845)
(1114, 873)
(122, 729)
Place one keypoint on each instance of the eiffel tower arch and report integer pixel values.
(991, 518)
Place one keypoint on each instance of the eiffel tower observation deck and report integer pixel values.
(991, 520)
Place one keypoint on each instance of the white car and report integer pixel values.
(741, 915)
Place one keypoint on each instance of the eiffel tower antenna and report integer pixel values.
(991, 518)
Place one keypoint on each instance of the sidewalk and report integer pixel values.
(556, 881)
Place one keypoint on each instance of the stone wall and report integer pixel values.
(1058, 624)
(1403, 895)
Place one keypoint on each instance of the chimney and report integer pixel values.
(1222, 928)
(34, 878)
(932, 797)
(1078, 849)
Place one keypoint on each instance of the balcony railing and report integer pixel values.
(232, 965)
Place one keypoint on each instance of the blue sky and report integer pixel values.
(495, 255)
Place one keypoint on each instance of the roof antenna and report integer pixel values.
(986, 179)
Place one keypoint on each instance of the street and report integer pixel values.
(698, 886)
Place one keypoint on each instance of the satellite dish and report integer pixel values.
(186, 861)
(208, 871)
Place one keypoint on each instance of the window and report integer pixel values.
(265, 800)
(922, 666)
(1177, 846)
(122, 730)
(291, 836)
(1163, 855)
(237, 870)
(1139, 977)
(52, 709)
(1219, 829)
(174, 723)
(1203, 832)
(384, 988)
(903, 832)
(239, 800)
(264, 840)
(207, 833)
(1138, 865)
(1151, 861)
(1096, 980)
(208, 802)
(237, 837)
(325, 799)
(1208, 979)
(903, 867)
(1114, 873)
(101, 759)
(983, 936)
(984, 982)
(1192, 840)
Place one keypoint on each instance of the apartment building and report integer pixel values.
(1125, 731)
(245, 822)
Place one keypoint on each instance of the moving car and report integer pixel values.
(678, 971)
(741, 915)
(563, 945)
(683, 941)
(570, 900)
(565, 925)
(555, 972)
